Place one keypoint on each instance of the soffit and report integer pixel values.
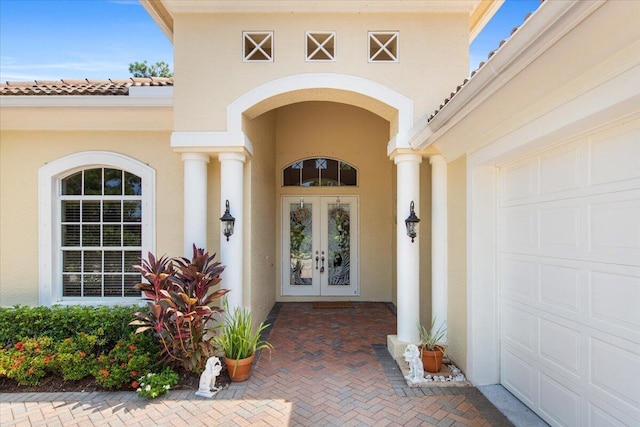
(480, 11)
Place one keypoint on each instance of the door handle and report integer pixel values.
(322, 259)
(317, 260)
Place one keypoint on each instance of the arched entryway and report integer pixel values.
(322, 115)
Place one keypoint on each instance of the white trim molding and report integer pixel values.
(49, 176)
(147, 97)
(234, 139)
(402, 104)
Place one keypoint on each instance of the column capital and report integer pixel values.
(196, 156)
(234, 156)
(211, 142)
(399, 156)
(437, 158)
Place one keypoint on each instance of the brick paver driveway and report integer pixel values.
(330, 367)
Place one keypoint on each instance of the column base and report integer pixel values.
(396, 347)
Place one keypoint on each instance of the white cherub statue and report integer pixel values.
(416, 370)
(208, 377)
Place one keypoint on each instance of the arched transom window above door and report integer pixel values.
(320, 172)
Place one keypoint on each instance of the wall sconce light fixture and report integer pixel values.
(228, 222)
(412, 223)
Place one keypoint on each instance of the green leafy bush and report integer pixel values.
(108, 323)
(74, 342)
(75, 357)
(29, 361)
(124, 363)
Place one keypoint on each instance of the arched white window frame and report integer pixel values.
(320, 158)
(49, 178)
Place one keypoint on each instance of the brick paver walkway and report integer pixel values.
(330, 367)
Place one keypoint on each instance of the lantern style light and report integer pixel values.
(412, 223)
(228, 222)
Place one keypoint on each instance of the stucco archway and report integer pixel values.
(394, 107)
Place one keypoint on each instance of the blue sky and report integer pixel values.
(97, 39)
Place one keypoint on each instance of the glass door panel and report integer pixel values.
(339, 223)
(319, 248)
(301, 244)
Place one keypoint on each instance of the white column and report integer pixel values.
(408, 253)
(439, 241)
(195, 201)
(231, 252)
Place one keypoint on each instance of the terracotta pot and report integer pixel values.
(432, 360)
(239, 369)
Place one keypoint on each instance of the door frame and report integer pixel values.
(319, 291)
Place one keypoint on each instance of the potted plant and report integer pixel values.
(431, 350)
(239, 341)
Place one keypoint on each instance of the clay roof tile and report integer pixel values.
(86, 87)
(474, 72)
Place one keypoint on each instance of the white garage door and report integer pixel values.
(570, 280)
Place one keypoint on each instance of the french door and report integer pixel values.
(320, 245)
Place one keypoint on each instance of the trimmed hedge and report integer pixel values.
(75, 342)
(109, 324)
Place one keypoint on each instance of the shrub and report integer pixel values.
(125, 362)
(29, 361)
(75, 356)
(108, 323)
(80, 338)
(181, 302)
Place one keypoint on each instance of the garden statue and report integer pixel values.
(416, 370)
(208, 377)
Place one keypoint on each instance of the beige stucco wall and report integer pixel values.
(23, 153)
(433, 57)
(260, 279)
(356, 136)
(457, 261)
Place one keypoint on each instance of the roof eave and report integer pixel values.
(160, 15)
(480, 11)
(481, 15)
(548, 24)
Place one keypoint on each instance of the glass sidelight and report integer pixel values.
(320, 246)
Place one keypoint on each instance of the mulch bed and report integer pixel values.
(55, 384)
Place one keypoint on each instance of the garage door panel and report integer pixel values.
(615, 370)
(519, 377)
(614, 299)
(560, 169)
(519, 231)
(615, 234)
(560, 345)
(561, 284)
(520, 328)
(569, 272)
(558, 402)
(561, 230)
(519, 181)
(601, 416)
